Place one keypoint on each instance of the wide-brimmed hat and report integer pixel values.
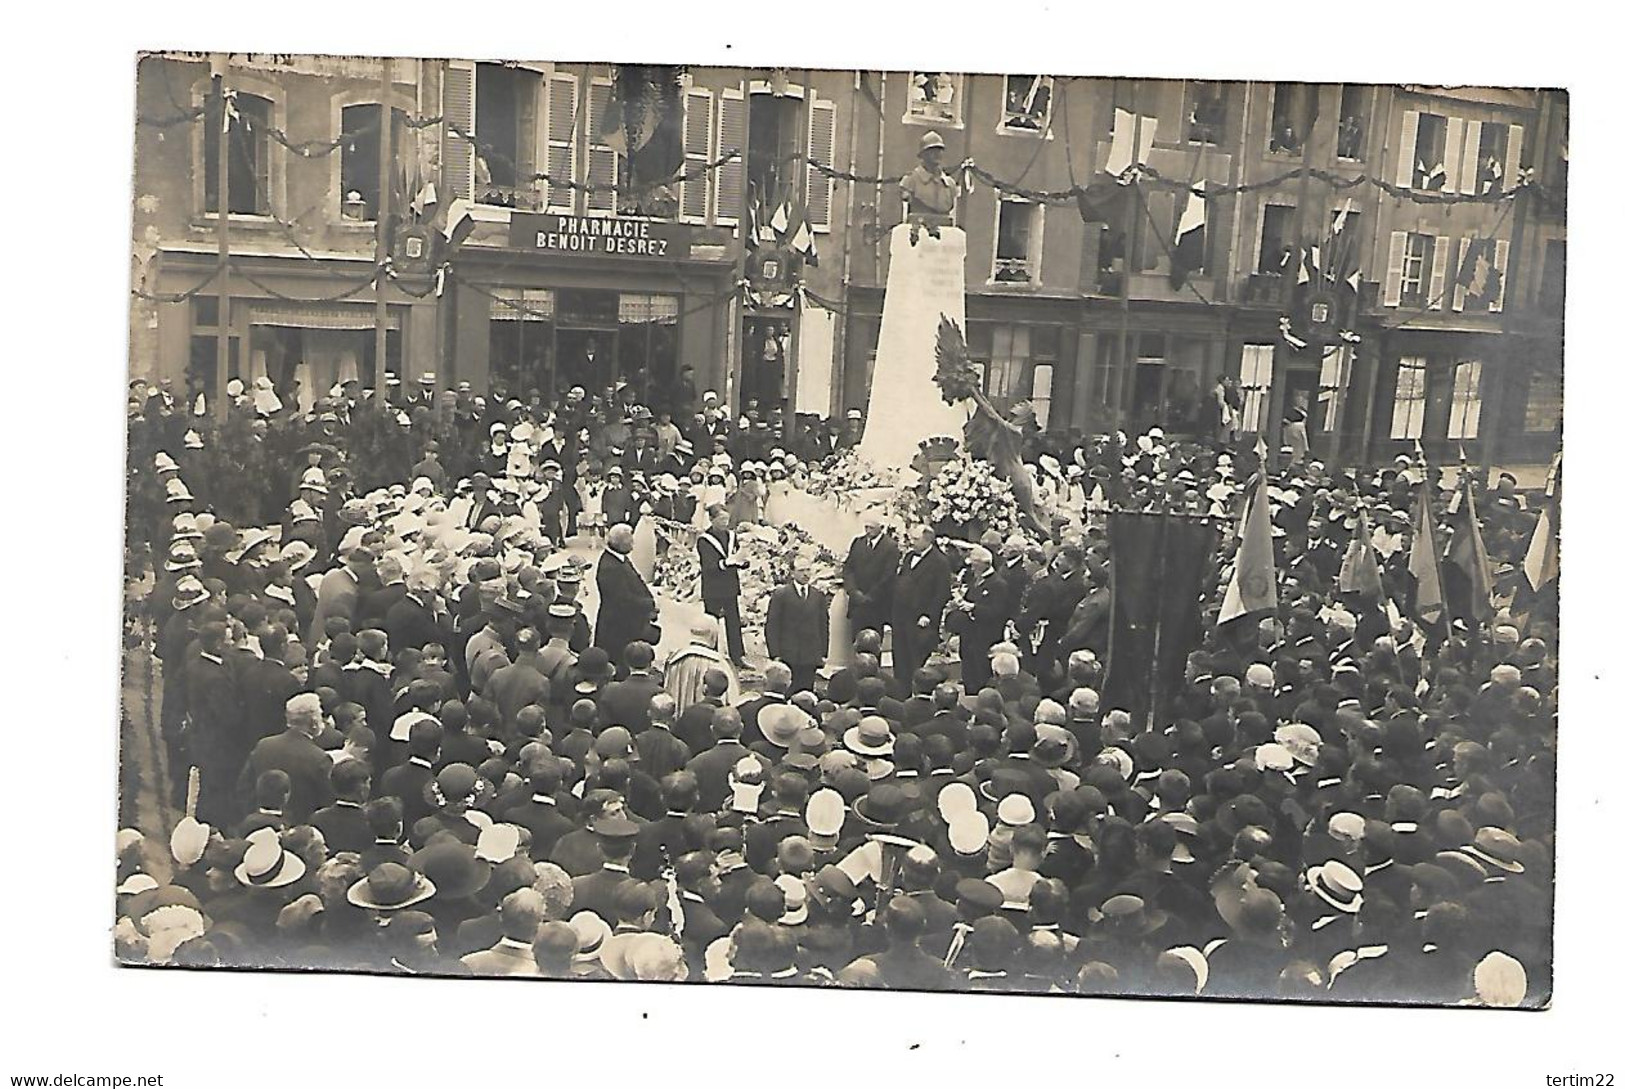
(452, 868)
(872, 736)
(390, 887)
(1496, 847)
(1129, 915)
(782, 723)
(1338, 885)
(884, 806)
(266, 865)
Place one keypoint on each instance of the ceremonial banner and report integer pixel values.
(1159, 566)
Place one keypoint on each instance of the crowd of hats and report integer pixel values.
(1333, 805)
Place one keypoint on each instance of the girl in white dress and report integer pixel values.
(590, 487)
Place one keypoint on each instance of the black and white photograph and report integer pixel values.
(872, 529)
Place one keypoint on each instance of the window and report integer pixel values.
(1543, 407)
(933, 99)
(358, 168)
(1430, 170)
(1018, 230)
(1418, 260)
(509, 99)
(1020, 364)
(1286, 118)
(1466, 400)
(1275, 234)
(1490, 167)
(1410, 398)
(1334, 382)
(1257, 369)
(1026, 103)
(248, 156)
(1204, 112)
(1351, 113)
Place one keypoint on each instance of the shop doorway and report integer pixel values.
(764, 372)
(1300, 381)
(585, 357)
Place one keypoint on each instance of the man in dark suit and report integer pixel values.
(918, 598)
(295, 752)
(719, 578)
(539, 811)
(410, 620)
(1051, 601)
(776, 681)
(712, 766)
(265, 684)
(981, 610)
(408, 781)
(596, 890)
(343, 824)
(659, 751)
(641, 458)
(868, 574)
(626, 702)
(798, 627)
(219, 738)
(626, 608)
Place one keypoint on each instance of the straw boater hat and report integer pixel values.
(1338, 885)
(390, 887)
(782, 723)
(266, 865)
(872, 736)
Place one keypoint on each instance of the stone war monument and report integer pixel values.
(925, 283)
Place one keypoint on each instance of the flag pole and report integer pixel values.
(222, 225)
(386, 153)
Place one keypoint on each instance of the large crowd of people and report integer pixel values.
(412, 716)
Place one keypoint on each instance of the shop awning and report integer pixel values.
(319, 315)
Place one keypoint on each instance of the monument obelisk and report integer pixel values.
(925, 281)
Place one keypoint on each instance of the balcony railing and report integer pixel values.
(1012, 270)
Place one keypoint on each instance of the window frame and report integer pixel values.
(1188, 114)
(1362, 115)
(276, 161)
(1466, 405)
(958, 119)
(335, 203)
(1045, 130)
(1424, 261)
(1416, 405)
(1035, 241)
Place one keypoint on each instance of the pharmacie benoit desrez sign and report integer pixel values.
(598, 236)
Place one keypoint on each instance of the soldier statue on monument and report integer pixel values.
(931, 191)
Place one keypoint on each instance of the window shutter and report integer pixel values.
(696, 153)
(1463, 274)
(1396, 268)
(561, 142)
(1469, 159)
(820, 147)
(1514, 161)
(731, 121)
(1453, 179)
(1441, 269)
(1502, 247)
(457, 106)
(603, 165)
(1405, 161)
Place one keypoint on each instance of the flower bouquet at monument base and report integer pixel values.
(848, 473)
(966, 498)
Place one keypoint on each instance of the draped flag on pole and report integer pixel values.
(1360, 573)
(1540, 562)
(1252, 584)
(1427, 603)
(1467, 561)
(1131, 133)
(1190, 238)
